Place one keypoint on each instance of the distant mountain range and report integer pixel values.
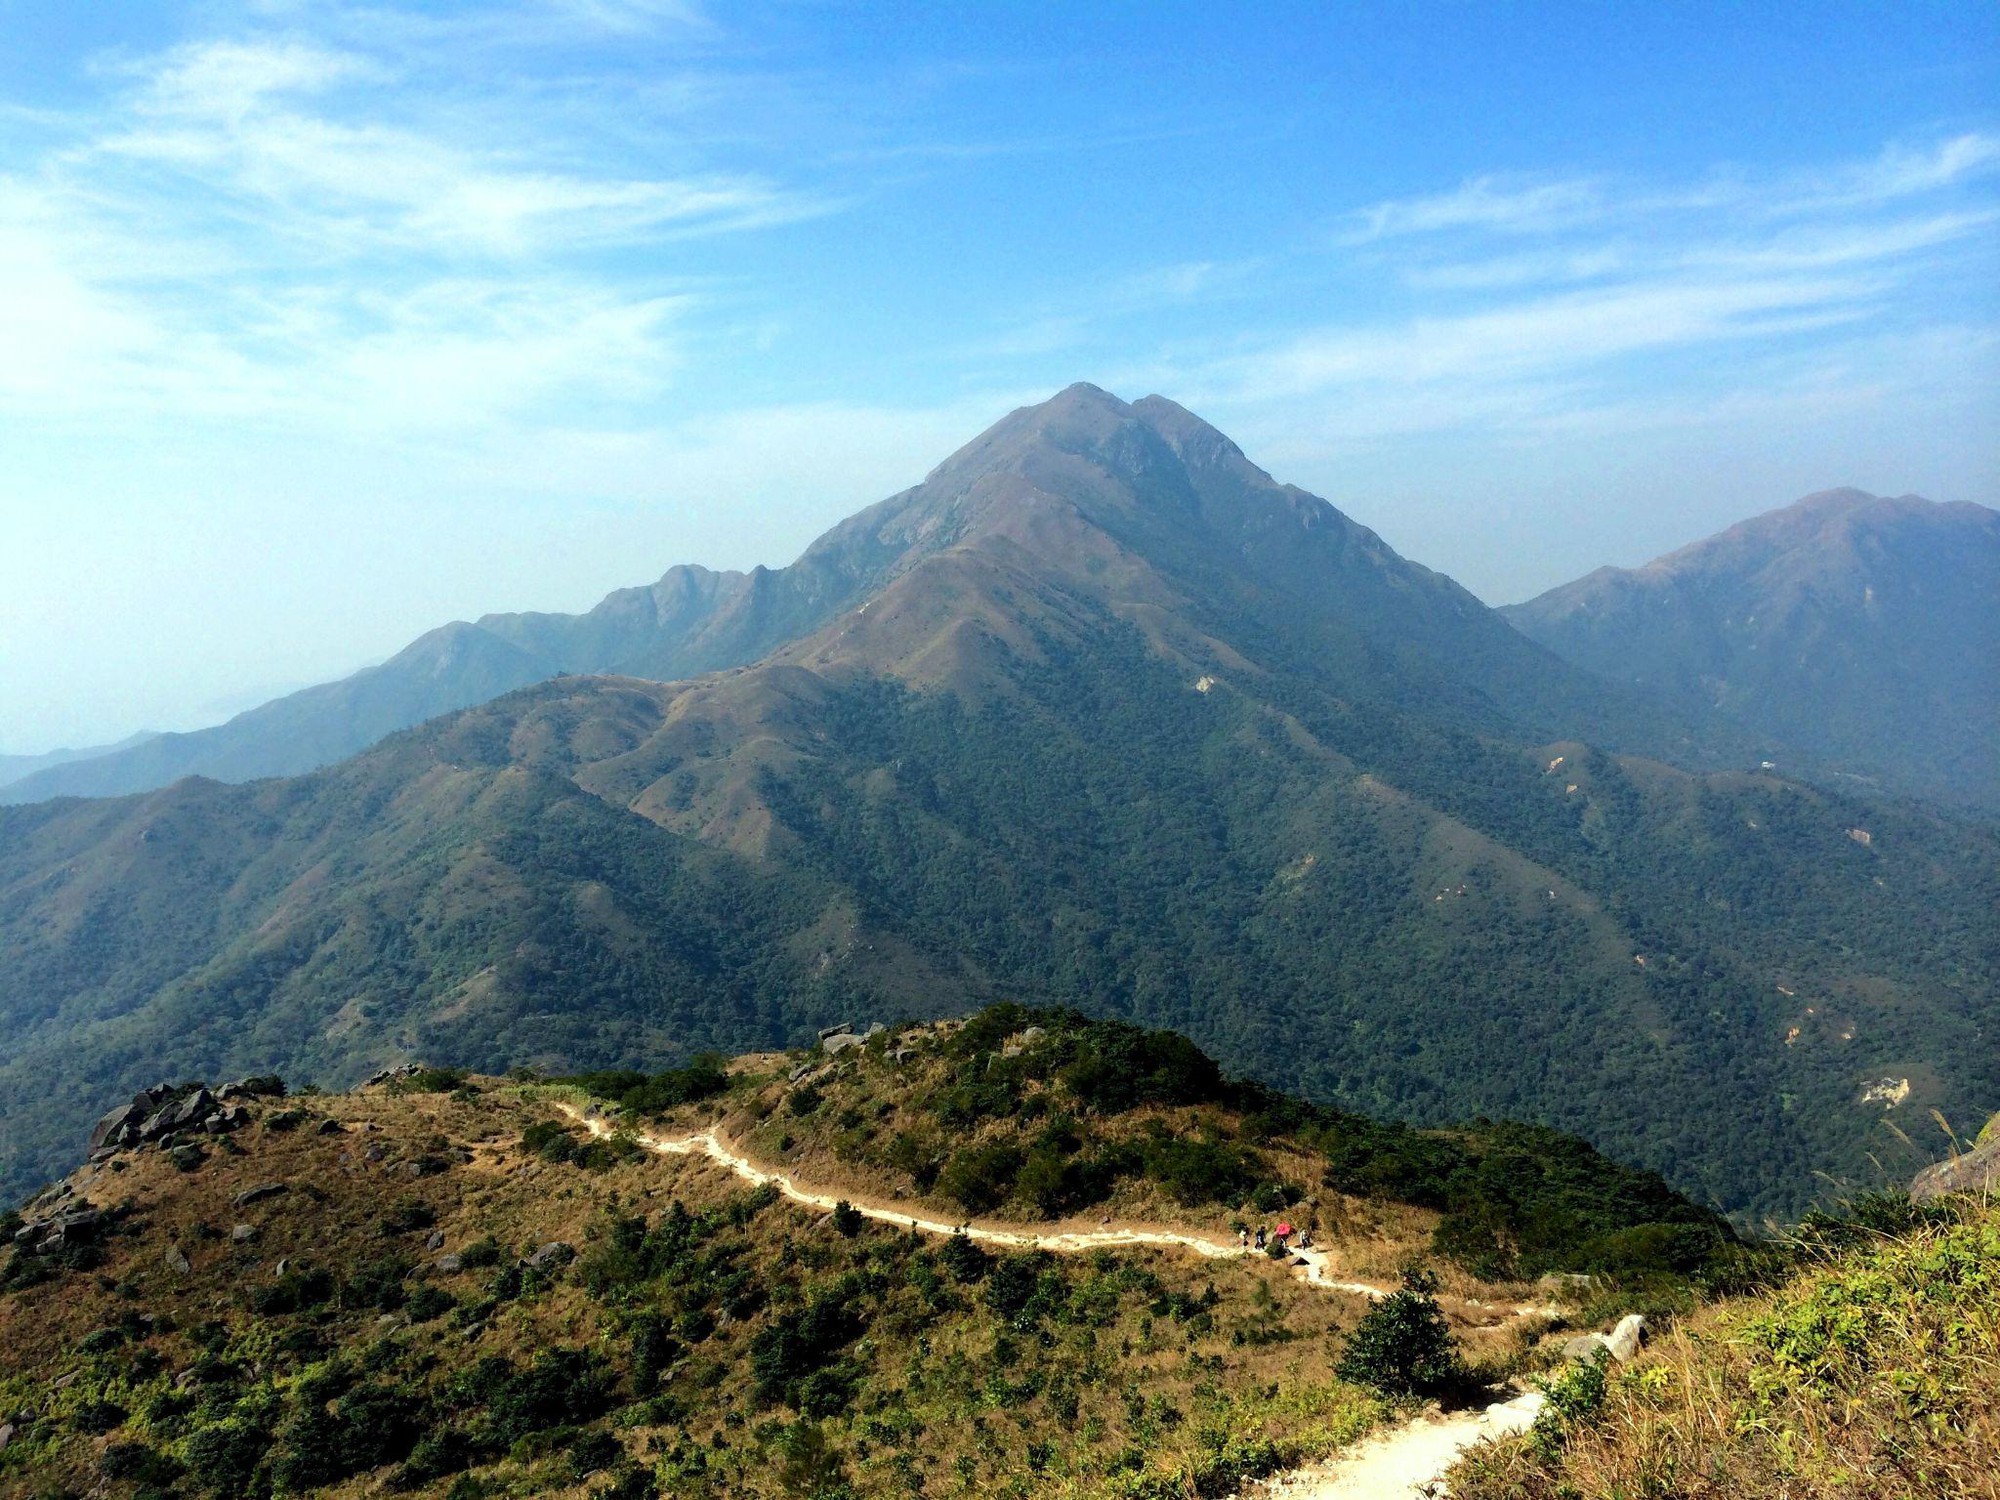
(1099, 714)
(1854, 636)
(15, 768)
(1862, 631)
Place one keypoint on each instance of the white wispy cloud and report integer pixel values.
(278, 226)
(1513, 305)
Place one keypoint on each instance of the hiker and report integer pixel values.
(1242, 1239)
(1260, 1236)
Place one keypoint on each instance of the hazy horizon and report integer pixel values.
(322, 326)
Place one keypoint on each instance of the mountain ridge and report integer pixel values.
(1835, 625)
(1202, 492)
(1124, 725)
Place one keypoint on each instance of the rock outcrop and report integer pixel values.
(1976, 1171)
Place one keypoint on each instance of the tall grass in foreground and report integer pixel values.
(1874, 1373)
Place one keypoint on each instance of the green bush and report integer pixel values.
(1403, 1347)
(295, 1291)
(429, 1303)
(376, 1284)
(1195, 1171)
(1574, 1396)
(982, 1178)
(140, 1462)
(223, 1457)
(963, 1259)
(799, 1343)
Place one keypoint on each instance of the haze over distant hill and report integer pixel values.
(1863, 630)
(694, 620)
(1108, 718)
(15, 768)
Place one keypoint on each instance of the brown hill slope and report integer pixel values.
(1128, 726)
(1861, 629)
(437, 1277)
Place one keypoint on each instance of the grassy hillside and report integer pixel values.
(443, 1285)
(1875, 1371)
(1128, 727)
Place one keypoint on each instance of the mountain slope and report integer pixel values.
(444, 1285)
(1863, 630)
(1123, 724)
(452, 667)
(1147, 480)
(16, 767)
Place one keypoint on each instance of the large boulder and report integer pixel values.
(1977, 1171)
(113, 1123)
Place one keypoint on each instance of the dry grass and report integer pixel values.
(1875, 1373)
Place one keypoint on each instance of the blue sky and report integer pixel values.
(322, 324)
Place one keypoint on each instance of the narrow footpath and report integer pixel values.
(1402, 1464)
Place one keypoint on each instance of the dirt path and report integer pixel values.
(1400, 1465)
(707, 1143)
(1403, 1464)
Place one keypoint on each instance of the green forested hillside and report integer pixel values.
(1130, 727)
(1862, 629)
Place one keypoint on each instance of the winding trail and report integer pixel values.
(1403, 1464)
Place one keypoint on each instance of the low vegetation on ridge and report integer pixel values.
(441, 1284)
(1874, 1371)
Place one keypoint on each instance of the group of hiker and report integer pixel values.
(1283, 1237)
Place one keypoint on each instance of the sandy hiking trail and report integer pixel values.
(1402, 1464)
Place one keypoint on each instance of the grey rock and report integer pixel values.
(436, 1240)
(1622, 1343)
(260, 1193)
(191, 1111)
(841, 1042)
(110, 1124)
(550, 1257)
(177, 1261)
(450, 1264)
(243, 1232)
(6, 1435)
(1626, 1337)
(1977, 1171)
(840, 1029)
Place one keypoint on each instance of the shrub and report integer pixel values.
(376, 1284)
(140, 1462)
(594, 1452)
(654, 1351)
(1403, 1347)
(224, 1456)
(433, 1081)
(963, 1259)
(406, 1218)
(563, 1386)
(549, 1139)
(428, 1303)
(980, 1179)
(1574, 1396)
(295, 1291)
(847, 1218)
(799, 1343)
(1197, 1171)
(98, 1416)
